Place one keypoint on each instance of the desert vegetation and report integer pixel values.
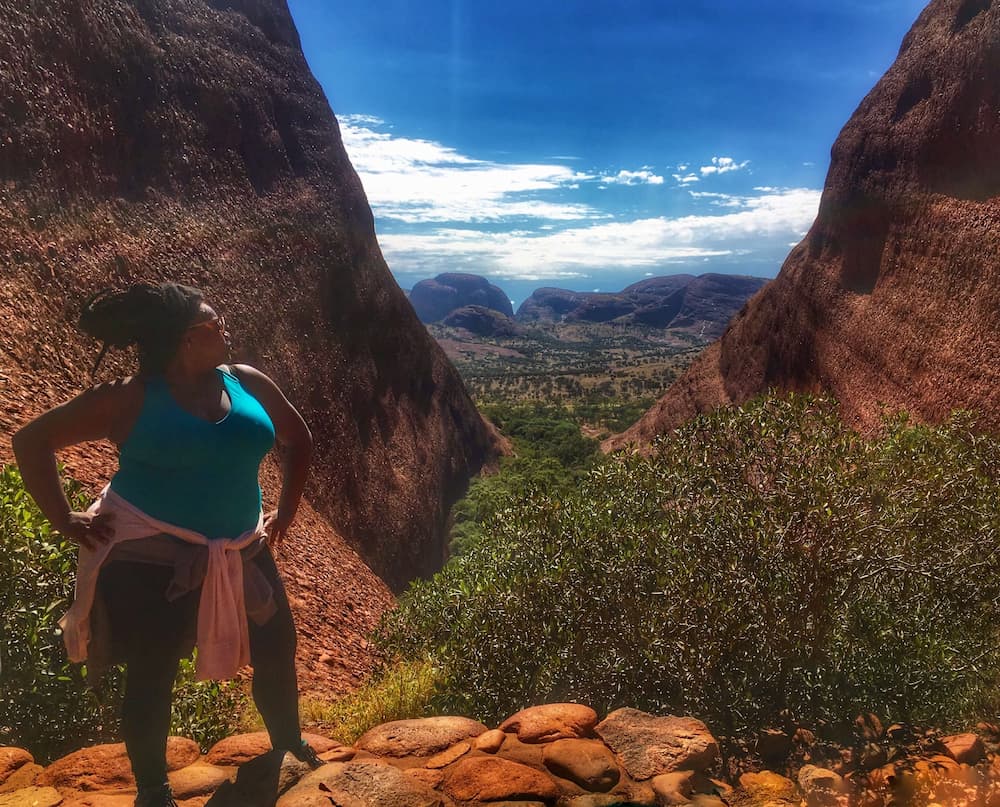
(761, 565)
(570, 362)
(762, 562)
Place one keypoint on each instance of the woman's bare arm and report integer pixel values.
(94, 414)
(293, 435)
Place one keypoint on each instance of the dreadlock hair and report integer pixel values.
(153, 318)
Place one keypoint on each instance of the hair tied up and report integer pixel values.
(152, 317)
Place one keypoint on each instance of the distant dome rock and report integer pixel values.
(482, 321)
(549, 305)
(702, 305)
(890, 301)
(433, 300)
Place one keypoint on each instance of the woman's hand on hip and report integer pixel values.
(275, 527)
(86, 529)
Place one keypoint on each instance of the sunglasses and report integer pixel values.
(218, 322)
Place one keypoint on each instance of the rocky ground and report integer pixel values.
(556, 754)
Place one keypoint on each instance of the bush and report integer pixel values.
(762, 559)
(397, 692)
(45, 703)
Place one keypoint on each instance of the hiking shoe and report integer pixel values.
(305, 753)
(160, 796)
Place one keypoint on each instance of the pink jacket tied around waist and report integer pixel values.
(223, 638)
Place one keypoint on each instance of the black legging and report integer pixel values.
(151, 633)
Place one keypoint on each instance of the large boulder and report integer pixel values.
(240, 748)
(648, 745)
(11, 759)
(106, 767)
(496, 779)
(588, 763)
(891, 299)
(422, 737)
(551, 721)
(360, 784)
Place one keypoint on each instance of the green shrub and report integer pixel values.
(762, 559)
(398, 692)
(45, 703)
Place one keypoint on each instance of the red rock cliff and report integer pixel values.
(893, 298)
(188, 140)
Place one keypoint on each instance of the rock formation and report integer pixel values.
(433, 300)
(893, 298)
(188, 140)
(700, 305)
(481, 321)
(552, 754)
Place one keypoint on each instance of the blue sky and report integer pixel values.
(588, 144)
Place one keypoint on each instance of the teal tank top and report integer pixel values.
(191, 472)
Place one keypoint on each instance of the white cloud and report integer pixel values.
(723, 165)
(720, 199)
(643, 177)
(575, 251)
(361, 120)
(686, 179)
(418, 181)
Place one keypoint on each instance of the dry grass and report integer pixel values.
(402, 691)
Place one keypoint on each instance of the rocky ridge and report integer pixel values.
(893, 298)
(553, 754)
(188, 140)
(700, 305)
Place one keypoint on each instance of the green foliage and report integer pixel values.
(762, 559)
(399, 691)
(543, 430)
(550, 455)
(45, 703)
(206, 711)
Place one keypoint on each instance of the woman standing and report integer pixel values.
(177, 549)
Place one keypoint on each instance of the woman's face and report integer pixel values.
(206, 341)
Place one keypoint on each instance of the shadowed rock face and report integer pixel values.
(187, 140)
(482, 321)
(893, 298)
(433, 300)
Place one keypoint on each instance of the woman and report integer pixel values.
(177, 544)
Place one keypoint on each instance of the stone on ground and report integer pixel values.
(360, 784)
(419, 737)
(11, 759)
(551, 721)
(242, 748)
(966, 749)
(25, 776)
(496, 779)
(106, 767)
(768, 787)
(32, 797)
(647, 745)
(588, 763)
(449, 755)
(490, 741)
(200, 779)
